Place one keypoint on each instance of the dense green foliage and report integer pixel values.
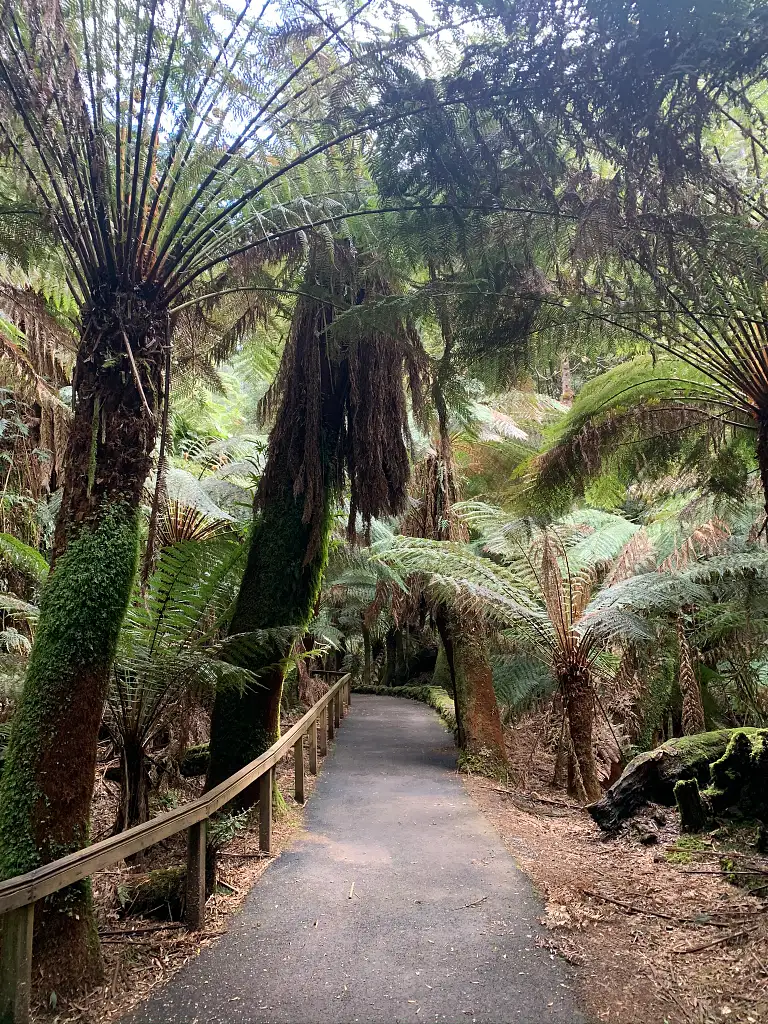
(263, 273)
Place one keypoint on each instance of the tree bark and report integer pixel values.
(690, 688)
(576, 686)
(762, 461)
(134, 787)
(478, 723)
(277, 590)
(367, 661)
(47, 783)
(390, 659)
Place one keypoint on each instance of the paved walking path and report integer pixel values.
(441, 925)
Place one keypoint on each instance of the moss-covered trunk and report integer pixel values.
(289, 543)
(277, 590)
(47, 783)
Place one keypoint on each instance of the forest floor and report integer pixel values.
(141, 953)
(658, 933)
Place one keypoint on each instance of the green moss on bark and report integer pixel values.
(81, 612)
(195, 761)
(47, 781)
(278, 590)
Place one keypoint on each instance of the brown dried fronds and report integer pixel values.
(340, 401)
(706, 540)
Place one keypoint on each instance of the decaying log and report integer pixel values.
(694, 814)
(651, 777)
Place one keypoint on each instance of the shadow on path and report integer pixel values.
(441, 926)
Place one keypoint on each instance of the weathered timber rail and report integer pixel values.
(18, 895)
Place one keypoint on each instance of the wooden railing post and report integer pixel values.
(322, 723)
(349, 693)
(16, 964)
(337, 709)
(194, 911)
(265, 811)
(331, 717)
(298, 766)
(342, 704)
(313, 747)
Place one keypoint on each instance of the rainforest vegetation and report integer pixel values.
(428, 344)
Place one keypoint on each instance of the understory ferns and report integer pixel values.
(157, 142)
(37, 351)
(171, 651)
(535, 593)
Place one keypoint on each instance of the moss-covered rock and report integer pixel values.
(195, 761)
(650, 777)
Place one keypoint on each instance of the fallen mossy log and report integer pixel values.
(740, 776)
(651, 777)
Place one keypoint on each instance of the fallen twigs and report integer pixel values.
(717, 942)
(634, 909)
(142, 929)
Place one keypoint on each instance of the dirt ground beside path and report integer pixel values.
(680, 944)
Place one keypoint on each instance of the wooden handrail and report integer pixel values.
(18, 895)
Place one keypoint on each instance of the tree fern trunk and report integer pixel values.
(277, 590)
(47, 784)
(367, 663)
(576, 686)
(693, 708)
(477, 713)
(762, 458)
(134, 787)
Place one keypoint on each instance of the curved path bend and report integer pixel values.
(441, 927)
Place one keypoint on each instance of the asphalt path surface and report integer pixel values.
(441, 925)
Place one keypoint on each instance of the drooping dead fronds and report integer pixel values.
(636, 552)
(342, 411)
(706, 540)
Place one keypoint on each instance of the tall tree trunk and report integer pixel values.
(159, 493)
(401, 661)
(576, 685)
(277, 590)
(762, 461)
(47, 784)
(390, 663)
(367, 661)
(478, 722)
